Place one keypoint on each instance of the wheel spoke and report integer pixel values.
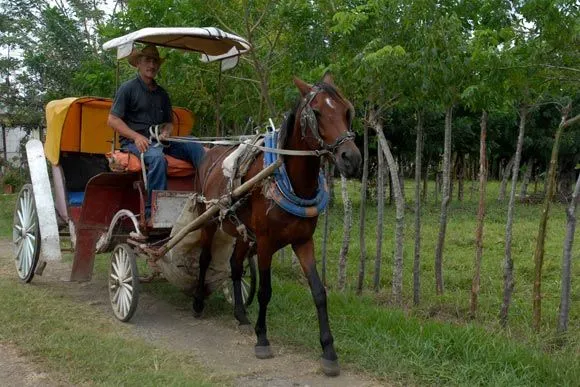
(116, 295)
(24, 259)
(125, 298)
(20, 244)
(24, 205)
(32, 227)
(20, 216)
(128, 288)
(244, 291)
(114, 277)
(115, 267)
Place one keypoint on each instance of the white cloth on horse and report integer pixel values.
(229, 165)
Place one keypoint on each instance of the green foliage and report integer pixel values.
(15, 177)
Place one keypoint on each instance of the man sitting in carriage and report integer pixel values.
(139, 104)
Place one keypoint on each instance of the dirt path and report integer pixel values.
(219, 346)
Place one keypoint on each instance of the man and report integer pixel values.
(140, 103)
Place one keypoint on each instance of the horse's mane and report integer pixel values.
(290, 116)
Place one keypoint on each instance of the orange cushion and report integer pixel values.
(178, 168)
(127, 162)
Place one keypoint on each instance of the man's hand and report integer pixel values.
(166, 130)
(141, 142)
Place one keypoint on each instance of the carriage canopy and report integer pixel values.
(80, 125)
(212, 43)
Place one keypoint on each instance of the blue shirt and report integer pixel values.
(140, 107)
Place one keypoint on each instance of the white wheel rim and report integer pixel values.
(121, 283)
(25, 234)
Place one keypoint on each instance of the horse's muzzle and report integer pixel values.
(348, 159)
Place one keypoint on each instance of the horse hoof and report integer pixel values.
(263, 352)
(330, 367)
(246, 329)
(197, 314)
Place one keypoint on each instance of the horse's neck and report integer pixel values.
(302, 170)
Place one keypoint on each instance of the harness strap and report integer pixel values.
(287, 152)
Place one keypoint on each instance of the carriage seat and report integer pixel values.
(127, 162)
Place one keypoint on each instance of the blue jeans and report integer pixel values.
(157, 165)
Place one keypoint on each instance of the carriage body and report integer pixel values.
(82, 196)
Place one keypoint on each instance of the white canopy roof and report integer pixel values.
(213, 43)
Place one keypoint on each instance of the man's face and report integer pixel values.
(148, 67)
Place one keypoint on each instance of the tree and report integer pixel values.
(363, 195)
(567, 259)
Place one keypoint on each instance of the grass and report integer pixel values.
(77, 341)
(436, 342)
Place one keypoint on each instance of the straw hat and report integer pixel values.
(148, 51)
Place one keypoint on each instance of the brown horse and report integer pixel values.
(320, 121)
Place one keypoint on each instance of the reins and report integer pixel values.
(308, 119)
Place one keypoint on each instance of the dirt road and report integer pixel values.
(218, 345)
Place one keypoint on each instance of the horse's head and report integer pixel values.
(325, 118)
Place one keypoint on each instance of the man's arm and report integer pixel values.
(121, 127)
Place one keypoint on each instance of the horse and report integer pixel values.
(321, 121)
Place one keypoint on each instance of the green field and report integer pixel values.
(435, 343)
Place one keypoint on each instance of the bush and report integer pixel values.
(14, 177)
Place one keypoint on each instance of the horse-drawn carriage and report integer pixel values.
(101, 210)
(205, 223)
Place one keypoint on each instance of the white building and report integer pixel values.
(11, 149)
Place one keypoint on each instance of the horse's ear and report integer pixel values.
(302, 86)
(327, 78)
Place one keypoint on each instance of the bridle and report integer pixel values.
(308, 120)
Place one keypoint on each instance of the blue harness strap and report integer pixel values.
(281, 190)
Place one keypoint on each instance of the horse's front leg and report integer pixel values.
(263, 349)
(305, 253)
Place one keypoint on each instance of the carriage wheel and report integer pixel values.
(123, 282)
(26, 234)
(248, 283)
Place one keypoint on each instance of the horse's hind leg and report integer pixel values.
(241, 251)
(204, 260)
(305, 253)
(262, 349)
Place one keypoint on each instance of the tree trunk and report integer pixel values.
(505, 175)
(325, 232)
(460, 175)
(539, 251)
(527, 176)
(453, 175)
(425, 176)
(391, 194)
(4, 147)
(380, 213)
(363, 197)
(347, 225)
(437, 185)
(401, 178)
(417, 257)
(480, 214)
(508, 262)
(444, 203)
(567, 259)
(400, 210)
